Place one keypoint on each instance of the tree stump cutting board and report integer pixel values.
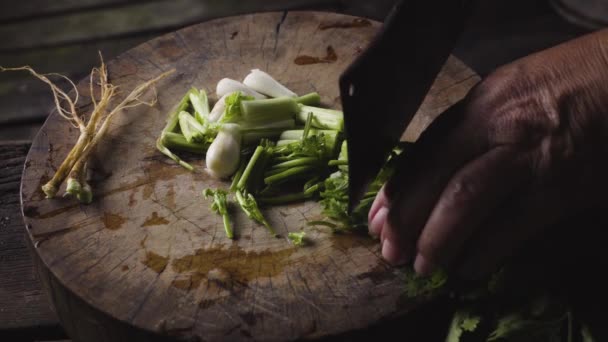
(148, 260)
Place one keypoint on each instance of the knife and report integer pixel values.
(384, 87)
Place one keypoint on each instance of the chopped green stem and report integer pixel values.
(269, 110)
(220, 206)
(253, 136)
(237, 175)
(164, 150)
(290, 197)
(242, 184)
(310, 99)
(274, 172)
(228, 226)
(296, 162)
(287, 142)
(185, 127)
(337, 162)
(251, 209)
(322, 117)
(307, 127)
(178, 141)
(311, 182)
(184, 105)
(289, 173)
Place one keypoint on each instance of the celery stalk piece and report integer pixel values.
(296, 162)
(187, 130)
(275, 200)
(310, 99)
(220, 206)
(160, 145)
(200, 103)
(269, 110)
(179, 142)
(171, 128)
(251, 209)
(263, 83)
(291, 173)
(253, 136)
(287, 142)
(243, 182)
(322, 118)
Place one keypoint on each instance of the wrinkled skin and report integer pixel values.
(527, 148)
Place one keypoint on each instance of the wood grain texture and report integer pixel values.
(24, 308)
(148, 260)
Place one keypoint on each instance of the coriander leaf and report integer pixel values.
(250, 207)
(220, 206)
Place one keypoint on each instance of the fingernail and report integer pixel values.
(378, 220)
(422, 266)
(392, 253)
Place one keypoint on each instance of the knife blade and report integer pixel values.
(383, 88)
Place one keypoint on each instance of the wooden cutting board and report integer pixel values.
(148, 259)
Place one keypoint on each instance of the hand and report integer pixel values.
(527, 148)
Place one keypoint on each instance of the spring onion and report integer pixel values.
(263, 83)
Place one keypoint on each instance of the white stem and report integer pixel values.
(265, 84)
(227, 86)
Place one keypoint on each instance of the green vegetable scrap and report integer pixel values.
(297, 238)
(220, 206)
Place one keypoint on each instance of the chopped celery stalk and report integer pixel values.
(184, 105)
(220, 206)
(296, 134)
(200, 103)
(237, 175)
(251, 209)
(310, 99)
(296, 162)
(243, 182)
(253, 126)
(307, 127)
(332, 139)
(313, 181)
(290, 173)
(164, 150)
(256, 178)
(234, 108)
(253, 136)
(337, 162)
(178, 141)
(309, 193)
(322, 118)
(269, 110)
(191, 129)
(287, 142)
(273, 172)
